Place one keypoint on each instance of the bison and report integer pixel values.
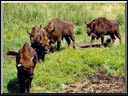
(58, 29)
(35, 30)
(26, 59)
(39, 41)
(102, 26)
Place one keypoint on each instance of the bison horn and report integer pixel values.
(19, 65)
(28, 32)
(32, 75)
(32, 58)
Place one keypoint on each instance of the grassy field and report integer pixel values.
(61, 67)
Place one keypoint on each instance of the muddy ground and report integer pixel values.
(100, 83)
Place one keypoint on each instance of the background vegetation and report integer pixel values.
(61, 67)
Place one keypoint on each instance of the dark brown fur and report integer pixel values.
(35, 30)
(102, 26)
(41, 44)
(58, 29)
(26, 60)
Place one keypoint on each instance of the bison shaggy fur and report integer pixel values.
(100, 27)
(58, 29)
(41, 44)
(26, 59)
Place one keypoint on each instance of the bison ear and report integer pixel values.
(87, 24)
(41, 26)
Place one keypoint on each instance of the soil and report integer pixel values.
(100, 83)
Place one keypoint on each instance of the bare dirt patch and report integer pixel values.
(100, 83)
(37, 89)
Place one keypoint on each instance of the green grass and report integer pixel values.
(61, 67)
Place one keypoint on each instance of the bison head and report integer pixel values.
(35, 30)
(50, 28)
(41, 41)
(90, 28)
(27, 63)
(44, 42)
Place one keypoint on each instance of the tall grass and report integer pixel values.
(62, 67)
(17, 18)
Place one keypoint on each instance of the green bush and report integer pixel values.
(120, 18)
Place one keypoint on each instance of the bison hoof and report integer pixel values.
(91, 45)
(102, 45)
(40, 61)
(74, 47)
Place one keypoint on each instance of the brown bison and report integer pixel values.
(35, 30)
(26, 60)
(59, 29)
(102, 26)
(40, 43)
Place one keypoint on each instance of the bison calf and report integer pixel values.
(26, 59)
(102, 26)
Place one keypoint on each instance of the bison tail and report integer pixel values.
(11, 53)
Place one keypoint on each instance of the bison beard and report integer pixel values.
(102, 26)
(26, 60)
(40, 51)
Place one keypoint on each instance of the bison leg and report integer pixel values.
(102, 39)
(58, 44)
(29, 85)
(73, 40)
(22, 84)
(68, 40)
(42, 56)
(113, 38)
(38, 55)
(92, 40)
(118, 35)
